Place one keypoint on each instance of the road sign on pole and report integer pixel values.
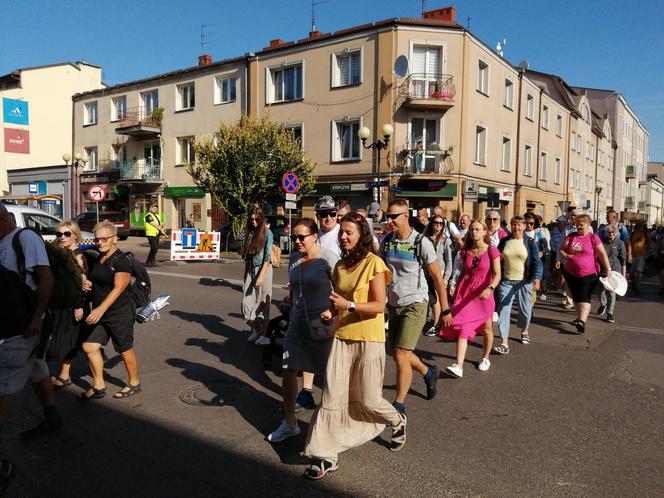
(96, 193)
(290, 183)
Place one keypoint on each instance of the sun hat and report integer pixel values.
(615, 282)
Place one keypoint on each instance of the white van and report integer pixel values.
(41, 221)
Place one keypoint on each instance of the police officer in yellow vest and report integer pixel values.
(153, 229)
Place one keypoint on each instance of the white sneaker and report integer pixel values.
(484, 365)
(494, 318)
(455, 370)
(262, 341)
(284, 431)
(253, 336)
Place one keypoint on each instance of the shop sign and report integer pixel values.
(506, 194)
(184, 192)
(193, 245)
(17, 141)
(471, 190)
(15, 111)
(105, 177)
(339, 188)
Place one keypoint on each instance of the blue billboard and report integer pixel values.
(15, 111)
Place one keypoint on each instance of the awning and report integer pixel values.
(184, 192)
(448, 190)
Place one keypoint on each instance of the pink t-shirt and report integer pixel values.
(584, 262)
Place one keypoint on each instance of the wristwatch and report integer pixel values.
(492, 288)
(446, 312)
(351, 306)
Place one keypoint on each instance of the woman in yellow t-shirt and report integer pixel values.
(353, 410)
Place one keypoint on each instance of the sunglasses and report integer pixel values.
(253, 219)
(475, 263)
(63, 234)
(493, 219)
(530, 222)
(300, 237)
(394, 216)
(436, 222)
(103, 240)
(327, 214)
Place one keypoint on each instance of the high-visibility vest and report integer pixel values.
(150, 230)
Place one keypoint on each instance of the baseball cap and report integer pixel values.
(373, 208)
(562, 219)
(325, 203)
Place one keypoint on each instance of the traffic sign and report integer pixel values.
(290, 205)
(291, 197)
(189, 238)
(290, 183)
(97, 193)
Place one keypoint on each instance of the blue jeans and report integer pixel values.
(506, 292)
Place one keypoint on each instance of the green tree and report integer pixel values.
(245, 165)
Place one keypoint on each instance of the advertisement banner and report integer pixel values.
(194, 245)
(15, 111)
(17, 141)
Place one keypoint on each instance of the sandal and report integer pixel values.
(398, 440)
(502, 349)
(129, 392)
(318, 471)
(62, 383)
(525, 338)
(96, 394)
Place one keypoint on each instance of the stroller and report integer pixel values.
(276, 332)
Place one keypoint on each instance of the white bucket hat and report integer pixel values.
(615, 282)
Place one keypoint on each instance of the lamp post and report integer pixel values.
(75, 194)
(378, 145)
(599, 186)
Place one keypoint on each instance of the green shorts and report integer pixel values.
(406, 324)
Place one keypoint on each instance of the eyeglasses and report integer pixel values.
(327, 214)
(253, 219)
(394, 216)
(530, 223)
(63, 234)
(475, 263)
(103, 240)
(300, 237)
(436, 222)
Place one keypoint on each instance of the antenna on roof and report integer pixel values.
(424, 7)
(204, 36)
(500, 46)
(314, 3)
(523, 65)
(468, 23)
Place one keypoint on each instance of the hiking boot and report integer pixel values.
(284, 431)
(432, 387)
(305, 401)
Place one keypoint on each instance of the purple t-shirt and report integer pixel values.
(584, 262)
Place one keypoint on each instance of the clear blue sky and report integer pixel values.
(603, 44)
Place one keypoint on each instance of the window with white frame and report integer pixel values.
(508, 98)
(544, 158)
(530, 106)
(90, 113)
(346, 142)
(587, 150)
(119, 154)
(528, 161)
(578, 179)
(186, 152)
(545, 117)
(592, 152)
(118, 108)
(572, 178)
(285, 83)
(347, 68)
(93, 163)
(579, 144)
(507, 155)
(573, 141)
(295, 132)
(224, 89)
(186, 97)
(149, 101)
(482, 77)
(558, 173)
(424, 144)
(480, 145)
(559, 125)
(585, 113)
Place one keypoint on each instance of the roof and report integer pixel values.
(556, 88)
(13, 79)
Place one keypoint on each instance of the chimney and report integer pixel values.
(444, 14)
(204, 60)
(277, 42)
(315, 34)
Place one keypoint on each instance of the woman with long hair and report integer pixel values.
(435, 230)
(310, 280)
(353, 410)
(256, 250)
(66, 326)
(476, 275)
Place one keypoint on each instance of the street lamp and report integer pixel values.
(364, 133)
(599, 186)
(79, 160)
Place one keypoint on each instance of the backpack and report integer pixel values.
(139, 288)
(17, 303)
(67, 277)
(433, 297)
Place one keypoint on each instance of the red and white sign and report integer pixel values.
(17, 141)
(97, 193)
(507, 194)
(207, 247)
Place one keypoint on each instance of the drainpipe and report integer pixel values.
(596, 207)
(73, 188)
(517, 186)
(539, 137)
(461, 125)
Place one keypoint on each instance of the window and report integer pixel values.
(90, 113)
(528, 161)
(558, 172)
(295, 133)
(543, 166)
(508, 100)
(150, 101)
(224, 90)
(507, 154)
(186, 152)
(545, 117)
(347, 68)
(483, 77)
(530, 106)
(119, 108)
(572, 178)
(573, 141)
(480, 145)
(559, 125)
(579, 144)
(424, 145)
(43, 223)
(346, 141)
(186, 97)
(92, 163)
(587, 150)
(585, 113)
(286, 84)
(592, 152)
(119, 155)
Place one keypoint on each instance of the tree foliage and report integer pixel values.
(245, 164)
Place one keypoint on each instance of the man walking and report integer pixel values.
(153, 229)
(328, 228)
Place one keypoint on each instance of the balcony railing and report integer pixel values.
(417, 162)
(427, 90)
(141, 169)
(137, 121)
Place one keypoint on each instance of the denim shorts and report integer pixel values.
(19, 363)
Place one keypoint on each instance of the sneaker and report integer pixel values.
(543, 296)
(455, 370)
(432, 387)
(398, 440)
(484, 365)
(263, 341)
(580, 326)
(610, 319)
(502, 349)
(431, 332)
(7, 473)
(494, 318)
(305, 401)
(601, 310)
(284, 431)
(525, 338)
(253, 336)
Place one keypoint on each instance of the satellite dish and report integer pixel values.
(401, 66)
(524, 65)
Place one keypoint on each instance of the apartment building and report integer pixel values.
(37, 122)
(139, 135)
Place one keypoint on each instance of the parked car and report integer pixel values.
(88, 220)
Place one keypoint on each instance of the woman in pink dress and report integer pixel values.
(476, 274)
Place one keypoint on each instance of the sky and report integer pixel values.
(617, 45)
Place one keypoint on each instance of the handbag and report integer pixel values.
(275, 256)
(318, 330)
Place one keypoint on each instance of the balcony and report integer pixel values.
(141, 169)
(137, 122)
(419, 163)
(630, 172)
(427, 91)
(629, 202)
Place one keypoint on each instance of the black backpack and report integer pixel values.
(139, 288)
(17, 303)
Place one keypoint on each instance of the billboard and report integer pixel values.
(15, 111)
(17, 141)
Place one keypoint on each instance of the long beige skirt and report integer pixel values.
(353, 410)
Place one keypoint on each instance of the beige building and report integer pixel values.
(37, 128)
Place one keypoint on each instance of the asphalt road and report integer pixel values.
(568, 415)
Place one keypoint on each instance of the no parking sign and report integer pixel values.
(290, 183)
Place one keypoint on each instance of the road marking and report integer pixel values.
(200, 277)
(627, 328)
